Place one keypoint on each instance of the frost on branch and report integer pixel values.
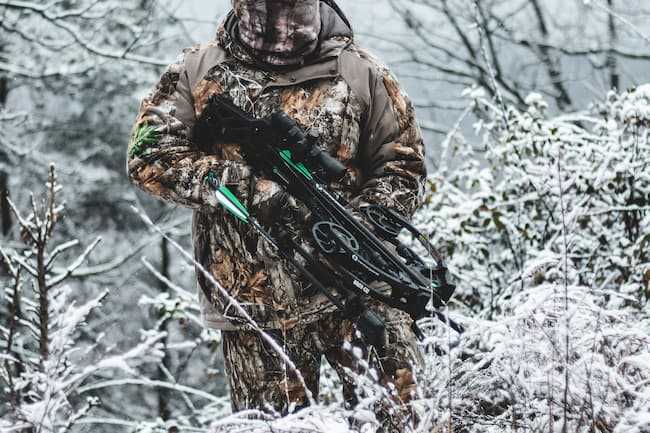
(69, 38)
(499, 210)
(547, 229)
(44, 362)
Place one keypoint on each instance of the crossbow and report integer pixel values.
(359, 250)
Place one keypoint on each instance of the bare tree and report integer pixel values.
(529, 44)
(39, 339)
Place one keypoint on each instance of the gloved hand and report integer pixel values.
(272, 205)
(358, 215)
(235, 175)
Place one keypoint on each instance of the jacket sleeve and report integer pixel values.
(391, 152)
(162, 159)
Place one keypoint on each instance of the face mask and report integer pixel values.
(279, 31)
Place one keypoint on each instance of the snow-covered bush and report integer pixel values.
(535, 182)
(550, 356)
(547, 232)
(546, 226)
(54, 366)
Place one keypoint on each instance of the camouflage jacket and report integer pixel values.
(346, 95)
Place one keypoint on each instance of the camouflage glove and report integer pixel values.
(272, 205)
(380, 286)
(354, 209)
(267, 200)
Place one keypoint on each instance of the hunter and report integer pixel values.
(298, 56)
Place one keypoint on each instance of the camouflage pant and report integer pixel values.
(260, 379)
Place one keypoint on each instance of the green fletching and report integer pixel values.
(233, 198)
(232, 204)
(286, 155)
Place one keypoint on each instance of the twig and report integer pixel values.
(232, 302)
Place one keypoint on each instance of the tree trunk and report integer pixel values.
(43, 303)
(5, 214)
(552, 64)
(163, 394)
(612, 63)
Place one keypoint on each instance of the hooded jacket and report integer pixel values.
(341, 91)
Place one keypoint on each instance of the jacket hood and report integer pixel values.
(335, 34)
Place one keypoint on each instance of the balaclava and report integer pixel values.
(279, 32)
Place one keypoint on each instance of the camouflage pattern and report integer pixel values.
(279, 32)
(259, 378)
(346, 95)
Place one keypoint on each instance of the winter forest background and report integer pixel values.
(537, 120)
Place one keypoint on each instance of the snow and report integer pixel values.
(541, 230)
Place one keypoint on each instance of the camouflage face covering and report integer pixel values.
(279, 32)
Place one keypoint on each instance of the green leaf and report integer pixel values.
(144, 136)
